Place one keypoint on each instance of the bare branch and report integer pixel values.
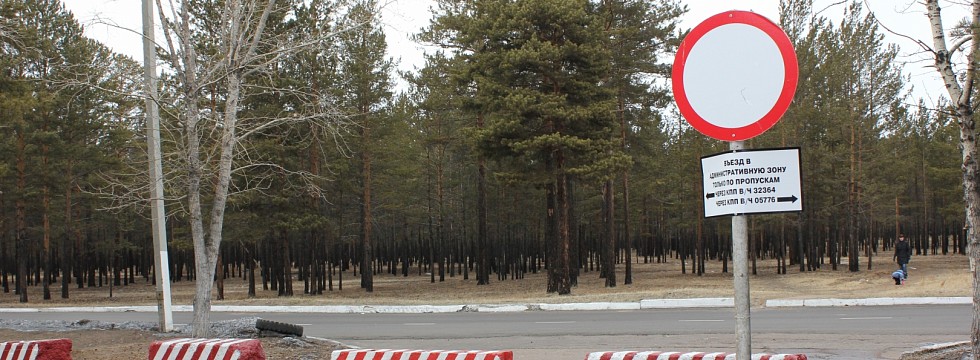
(923, 45)
(959, 43)
(971, 67)
(260, 29)
(842, 2)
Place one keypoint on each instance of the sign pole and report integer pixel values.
(740, 251)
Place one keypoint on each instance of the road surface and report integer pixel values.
(863, 332)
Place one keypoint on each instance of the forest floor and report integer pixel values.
(929, 276)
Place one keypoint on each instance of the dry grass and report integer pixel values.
(934, 275)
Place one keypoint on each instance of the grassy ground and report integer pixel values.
(934, 275)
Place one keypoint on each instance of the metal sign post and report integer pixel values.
(740, 255)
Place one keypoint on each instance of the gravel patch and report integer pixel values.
(238, 328)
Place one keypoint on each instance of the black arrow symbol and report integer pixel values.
(791, 199)
(709, 195)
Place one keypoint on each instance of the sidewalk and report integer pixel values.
(598, 306)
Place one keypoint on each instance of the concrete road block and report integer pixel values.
(673, 355)
(55, 349)
(386, 354)
(216, 349)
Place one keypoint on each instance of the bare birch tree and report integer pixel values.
(212, 50)
(961, 88)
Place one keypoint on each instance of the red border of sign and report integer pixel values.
(789, 81)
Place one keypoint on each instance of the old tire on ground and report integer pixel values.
(279, 327)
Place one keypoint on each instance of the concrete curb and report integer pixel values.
(598, 306)
(687, 303)
(498, 308)
(869, 302)
(951, 350)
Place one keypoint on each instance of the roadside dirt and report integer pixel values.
(932, 276)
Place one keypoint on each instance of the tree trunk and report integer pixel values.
(962, 98)
(206, 248)
(251, 275)
(561, 200)
(46, 245)
(285, 265)
(609, 252)
(367, 276)
(21, 218)
(66, 253)
(4, 269)
(852, 242)
(220, 278)
(431, 234)
(482, 253)
(626, 191)
(626, 230)
(202, 295)
(574, 237)
(551, 238)
(440, 222)
(46, 227)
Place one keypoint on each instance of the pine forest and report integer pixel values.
(540, 136)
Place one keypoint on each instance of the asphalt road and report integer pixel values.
(865, 332)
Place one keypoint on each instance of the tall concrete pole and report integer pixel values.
(161, 259)
(740, 256)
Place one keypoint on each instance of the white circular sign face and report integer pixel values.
(734, 75)
(739, 88)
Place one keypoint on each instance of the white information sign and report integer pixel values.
(752, 181)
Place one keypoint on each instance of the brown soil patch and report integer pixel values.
(932, 276)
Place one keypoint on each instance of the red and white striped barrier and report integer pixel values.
(209, 349)
(385, 354)
(671, 355)
(55, 349)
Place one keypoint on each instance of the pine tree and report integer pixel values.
(639, 35)
(537, 66)
(365, 87)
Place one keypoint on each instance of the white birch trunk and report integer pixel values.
(205, 265)
(192, 142)
(961, 95)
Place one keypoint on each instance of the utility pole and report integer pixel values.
(161, 259)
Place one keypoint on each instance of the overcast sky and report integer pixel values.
(404, 17)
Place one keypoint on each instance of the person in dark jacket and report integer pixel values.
(903, 252)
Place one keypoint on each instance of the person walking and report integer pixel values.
(903, 253)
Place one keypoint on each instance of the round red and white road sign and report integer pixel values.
(734, 75)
